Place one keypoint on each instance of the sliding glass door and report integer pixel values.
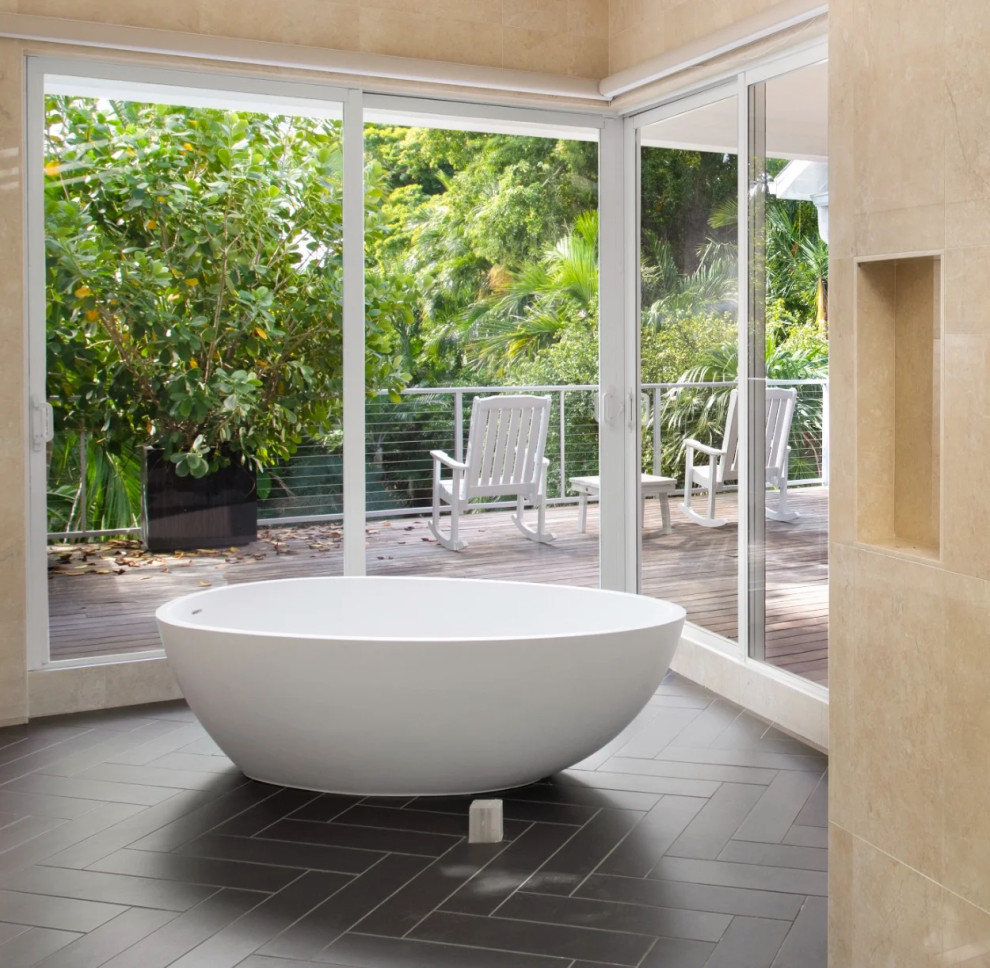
(187, 331)
(482, 232)
(689, 332)
(788, 322)
(733, 336)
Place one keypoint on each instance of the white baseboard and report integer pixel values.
(792, 704)
(55, 691)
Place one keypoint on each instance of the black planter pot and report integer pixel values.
(182, 513)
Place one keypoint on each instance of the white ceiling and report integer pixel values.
(797, 120)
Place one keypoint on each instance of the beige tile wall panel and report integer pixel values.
(966, 457)
(588, 17)
(842, 404)
(897, 231)
(641, 29)
(967, 271)
(407, 34)
(538, 50)
(13, 448)
(909, 643)
(840, 906)
(967, 144)
(842, 685)
(547, 15)
(967, 726)
(898, 662)
(917, 427)
(912, 923)
(875, 328)
(905, 926)
(561, 36)
(173, 15)
(316, 23)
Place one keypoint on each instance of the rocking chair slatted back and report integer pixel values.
(504, 457)
(722, 465)
(780, 402)
(780, 413)
(506, 441)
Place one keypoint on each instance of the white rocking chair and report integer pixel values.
(506, 441)
(723, 463)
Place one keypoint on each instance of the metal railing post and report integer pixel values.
(459, 425)
(656, 432)
(83, 500)
(825, 429)
(563, 439)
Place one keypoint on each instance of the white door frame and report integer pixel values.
(149, 83)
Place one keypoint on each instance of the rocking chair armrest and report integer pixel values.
(444, 458)
(704, 448)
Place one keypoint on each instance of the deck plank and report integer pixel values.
(103, 611)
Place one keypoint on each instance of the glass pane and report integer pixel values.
(688, 350)
(193, 356)
(483, 282)
(795, 229)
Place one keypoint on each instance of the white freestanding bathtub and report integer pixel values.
(408, 686)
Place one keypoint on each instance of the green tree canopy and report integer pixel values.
(194, 280)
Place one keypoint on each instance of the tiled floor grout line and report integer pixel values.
(310, 910)
(438, 907)
(421, 873)
(384, 900)
(547, 860)
(254, 806)
(648, 952)
(455, 944)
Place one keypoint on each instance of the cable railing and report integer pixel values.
(400, 435)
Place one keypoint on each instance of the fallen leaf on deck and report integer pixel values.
(204, 584)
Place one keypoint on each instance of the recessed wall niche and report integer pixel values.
(898, 386)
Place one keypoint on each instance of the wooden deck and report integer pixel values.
(102, 598)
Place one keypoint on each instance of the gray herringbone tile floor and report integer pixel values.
(697, 839)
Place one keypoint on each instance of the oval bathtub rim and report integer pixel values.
(679, 613)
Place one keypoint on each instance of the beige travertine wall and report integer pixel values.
(553, 36)
(909, 147)
(641, 29)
